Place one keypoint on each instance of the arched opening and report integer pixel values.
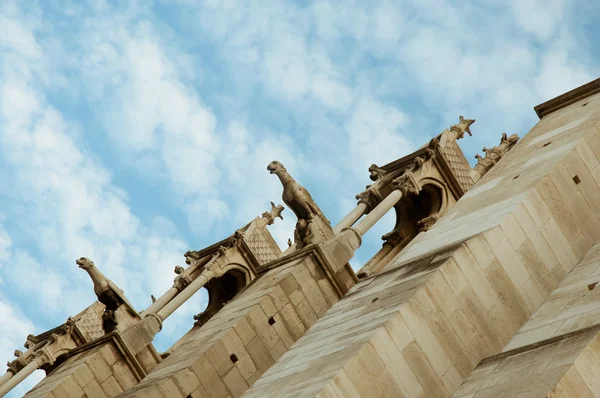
(220, 292)
(414, 214)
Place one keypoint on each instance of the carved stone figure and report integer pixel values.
(493, 155)
(273, 213)
(107, 292)
(181, 280)
(302, 233)
(299, 200)
(462, 127)
(294, 195)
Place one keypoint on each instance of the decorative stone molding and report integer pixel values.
(273, 213)
(407, 184)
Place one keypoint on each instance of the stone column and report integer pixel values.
(21, 375)
(6, 376)
(403, 185)
(379, 211)
(191, 289)
(351, 218)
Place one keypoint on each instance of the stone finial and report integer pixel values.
(273, 213)
(289, 242)
(462, 127)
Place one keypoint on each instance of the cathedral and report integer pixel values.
(485, 287)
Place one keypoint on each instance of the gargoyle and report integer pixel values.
(273, 213)
(107, 292)
(294, 195)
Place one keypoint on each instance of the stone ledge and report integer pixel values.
(568, 98)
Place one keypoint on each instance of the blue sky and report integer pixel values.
(131, 132)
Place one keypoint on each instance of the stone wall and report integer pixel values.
(102, 371)
(243, 340)
(459, 292)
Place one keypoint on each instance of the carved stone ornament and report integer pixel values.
(295, 196)
(407, 184)
(369, 198)
(376, 172)
(493, 155)
(302, 233)
(273, 213)
(107, 291)
(426, 223)
(392, 238)
(182, 279)
(462, 127)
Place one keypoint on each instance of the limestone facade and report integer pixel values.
(485, 287)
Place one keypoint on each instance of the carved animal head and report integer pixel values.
(276, 167)
(179, 269)
(84, 263)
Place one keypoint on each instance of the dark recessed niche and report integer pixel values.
(233, 358)
(547, 143)
(591, 286)
(576, 179)
(515, 177)
(271, 321)
(375, 299)
(584, 104)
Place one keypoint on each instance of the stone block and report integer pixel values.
(168, 388)
(210, 380)
(112, 388)
(83, 375)
(124, 375)
(260, 323)
(306, 313)
(260, 355)
(186, 380)
(235, 383)
(511, 263)
(99, 367)
(110, 354)
(219, 358)
(244, 330)
(93, 390)
(294, 324)
(277, 350)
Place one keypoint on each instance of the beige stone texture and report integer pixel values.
(463, 289)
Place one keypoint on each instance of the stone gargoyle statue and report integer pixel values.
(108, 293)
(295, 195)
(299, 200)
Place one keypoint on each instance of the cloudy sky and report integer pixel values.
(132, 133)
